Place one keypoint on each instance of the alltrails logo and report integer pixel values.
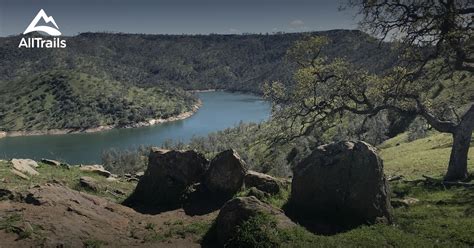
(31, 42)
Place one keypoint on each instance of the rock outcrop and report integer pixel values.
(89, 183)
(264, 182)
(343, 182)
(50, 162)
(226, 174)
(97, 169)
(25, 166)
(168, 175)
(240, 209)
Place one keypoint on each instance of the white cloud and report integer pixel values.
(297, 23)
(234, 30)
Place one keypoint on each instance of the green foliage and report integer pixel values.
(125, 161)
(426, 156)
(232, 62)
(176, 229)
(258, 231)
(14, 223)
(73, 100)
(94, 243)
(442, 218)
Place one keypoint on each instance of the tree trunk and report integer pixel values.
(457, 169)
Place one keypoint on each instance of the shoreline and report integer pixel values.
(147, 123)
(205, 90)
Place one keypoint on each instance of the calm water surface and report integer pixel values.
(220, 110)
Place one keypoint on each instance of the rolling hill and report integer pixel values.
(61, 99)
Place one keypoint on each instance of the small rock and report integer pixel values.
(98, 169)
(257, 193)
(25, 166)
(132, 179)
(6, 194)
(89, 183)
(226, 174)
(111, 179)
(140, 174)
(405, 202)
(119, 192)
(19, 174)
(51, 162)
(263, 182)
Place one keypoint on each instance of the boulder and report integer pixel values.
(25, 166)
(263, 182)
(226, 174)
(168, 175)
(89, 183)
(50, 162)
(240, 209)
(341, 182)
(97, 169)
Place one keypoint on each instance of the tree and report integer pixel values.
(437, 37)
(326, 89)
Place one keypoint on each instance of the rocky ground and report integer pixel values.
(185, 200)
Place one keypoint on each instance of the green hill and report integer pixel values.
(119, 79)
(232, 62)
(63, 99)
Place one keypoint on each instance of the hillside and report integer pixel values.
(426, 156)
(426, 214)
(232, 62)
(67, 99)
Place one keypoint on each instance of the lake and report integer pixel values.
(220, 110)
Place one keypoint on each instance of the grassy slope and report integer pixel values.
(444, 217)
(68, 99)
(426, 156)
(68, 177)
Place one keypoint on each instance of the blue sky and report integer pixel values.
(178, 16)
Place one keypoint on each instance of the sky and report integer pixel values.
(178, 16)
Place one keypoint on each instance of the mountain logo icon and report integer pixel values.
(47, 19)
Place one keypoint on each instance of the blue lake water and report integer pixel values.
(220, 110)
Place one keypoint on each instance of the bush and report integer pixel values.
(258, 231)
(125, 161)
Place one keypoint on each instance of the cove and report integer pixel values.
(219, 110)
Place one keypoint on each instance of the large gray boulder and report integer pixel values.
(240, 209)
(342, 181)
(168, 175)
(226, 174)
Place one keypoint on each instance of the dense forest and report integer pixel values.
(231, 62)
